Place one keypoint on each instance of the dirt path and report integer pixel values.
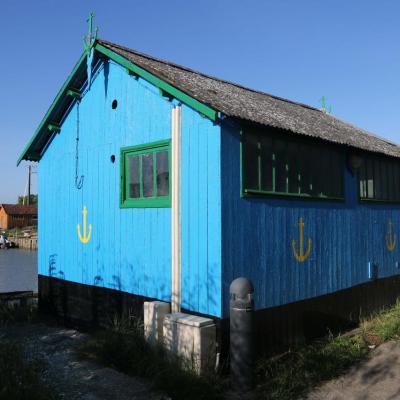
(377, 378)
(71, 377)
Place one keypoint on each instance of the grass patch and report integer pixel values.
(123, 347)
(18, 313)
(382, 326)
(20, 379)
(292, 375)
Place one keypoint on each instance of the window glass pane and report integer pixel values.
(266, 164)
(363, 181)
(379, 179)
(250, 161)
(134, 184)
(162, 168)
(147, 175)
(370, 179)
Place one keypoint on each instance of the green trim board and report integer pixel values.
(63, 92)
(70, 91)
(156, 81)
(53, 128)
(74, 93)
(143, 201)
(261, 193)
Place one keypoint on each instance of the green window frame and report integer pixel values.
(275, 164)
(146, 175)
(379, 179)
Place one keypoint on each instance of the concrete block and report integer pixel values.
(154, 312)
(191, 338)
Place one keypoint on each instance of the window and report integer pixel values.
(145, 176)
(379, 179)
(275, 165)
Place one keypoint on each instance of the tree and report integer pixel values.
(24, 199)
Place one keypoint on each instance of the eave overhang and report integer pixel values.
(74, 85)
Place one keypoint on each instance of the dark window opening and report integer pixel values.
(285, 166)
(379, 179)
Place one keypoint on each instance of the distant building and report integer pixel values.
(17, 216)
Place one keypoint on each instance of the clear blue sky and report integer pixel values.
(348, 51)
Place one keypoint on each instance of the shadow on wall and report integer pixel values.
(106, 72)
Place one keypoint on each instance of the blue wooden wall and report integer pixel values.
(257, 236)
(130, 249)
(201, 214)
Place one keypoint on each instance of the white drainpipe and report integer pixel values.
(176, 292)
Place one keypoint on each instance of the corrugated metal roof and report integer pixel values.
(237, 101)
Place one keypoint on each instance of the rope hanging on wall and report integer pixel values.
(78, 181)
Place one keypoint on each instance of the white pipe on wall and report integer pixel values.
(176, 293)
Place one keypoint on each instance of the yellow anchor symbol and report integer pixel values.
(84, 239)
(390, 238)
(301, 257)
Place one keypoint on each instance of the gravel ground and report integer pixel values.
(71, 377)
(376, 378)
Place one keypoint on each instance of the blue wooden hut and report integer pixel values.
(160, 182)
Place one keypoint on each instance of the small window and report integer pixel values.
(278, 165)
(145, 175)
(379, 179)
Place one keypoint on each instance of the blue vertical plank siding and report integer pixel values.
(224, 235)
(257, 236)
(129, 249)
(201, 214)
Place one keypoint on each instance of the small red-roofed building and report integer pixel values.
(17, 216)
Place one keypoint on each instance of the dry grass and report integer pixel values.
(294, 374)
(123, 347)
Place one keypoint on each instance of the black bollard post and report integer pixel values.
(241, 335)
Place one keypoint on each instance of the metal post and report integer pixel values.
(241, 335)
(29, 185)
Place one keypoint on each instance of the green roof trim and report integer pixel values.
(26, 153)
(158, 82)
(48, 125)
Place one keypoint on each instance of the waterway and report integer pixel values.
(18, 270)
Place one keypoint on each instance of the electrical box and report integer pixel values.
(192, 338)
(154, 313)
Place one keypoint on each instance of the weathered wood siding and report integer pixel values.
(130, 248)
(257, 236)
